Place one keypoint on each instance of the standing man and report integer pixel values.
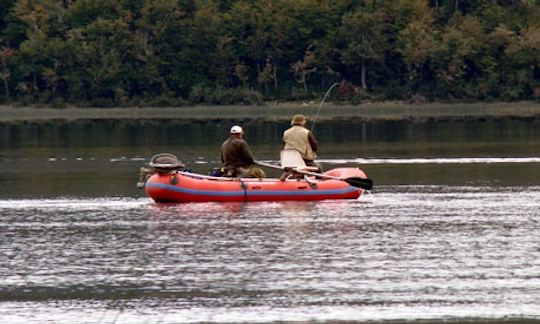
(302, 140)
(237, 158)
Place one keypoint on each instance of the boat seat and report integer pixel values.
(291, 159)
(166, 161)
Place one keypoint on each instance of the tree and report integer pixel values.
(417, 45)
(5, 73)
(267, 74)
(525, 52)
(115, 52)
(212, 43)
(5, 6)
(171, 58)
(496, 66)
(363, 33)
(455, 59)
(263, 29)
(302, 69)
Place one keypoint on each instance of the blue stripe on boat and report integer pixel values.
(252, 192)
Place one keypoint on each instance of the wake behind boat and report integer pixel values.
(169, 182)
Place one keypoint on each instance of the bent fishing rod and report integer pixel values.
(322, 102)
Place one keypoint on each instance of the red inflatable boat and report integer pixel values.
(179, 186)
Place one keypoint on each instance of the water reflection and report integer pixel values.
(102, 158)
(148, 133)
(196, 210)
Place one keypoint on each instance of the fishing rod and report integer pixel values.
(320, 106)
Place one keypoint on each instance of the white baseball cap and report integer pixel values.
(236, 130)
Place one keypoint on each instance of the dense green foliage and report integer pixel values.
(173, 52)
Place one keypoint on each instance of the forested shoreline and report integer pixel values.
(106, 53)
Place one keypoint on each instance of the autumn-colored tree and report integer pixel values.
(266, 76)
(302, 69)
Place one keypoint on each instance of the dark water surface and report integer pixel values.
(450, 232)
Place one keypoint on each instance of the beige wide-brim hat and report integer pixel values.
(298, 120)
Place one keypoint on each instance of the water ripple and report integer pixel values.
(403, 253)
(434, 160)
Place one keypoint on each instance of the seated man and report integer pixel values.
(237, 158)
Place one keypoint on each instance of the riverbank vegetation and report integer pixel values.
(105, 53)
(381, 111)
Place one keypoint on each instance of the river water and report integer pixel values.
(451, 231)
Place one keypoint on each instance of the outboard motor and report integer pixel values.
(162, 163)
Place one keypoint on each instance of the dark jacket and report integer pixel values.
(235, 153)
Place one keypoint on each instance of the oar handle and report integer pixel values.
(366, 184)
(315, 174)
(269, 165)
(296, 170)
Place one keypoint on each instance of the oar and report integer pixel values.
(363, 183)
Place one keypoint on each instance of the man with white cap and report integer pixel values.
(237, 158)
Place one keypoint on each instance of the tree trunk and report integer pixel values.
(4, 75)
(456, 6)
(275, 79)
(305, 77)
(304, 81)
(34, 84)
(363, 75)
(6, 87)
(258, 73)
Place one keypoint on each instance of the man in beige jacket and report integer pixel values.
(299, 138)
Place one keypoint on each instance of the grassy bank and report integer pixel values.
(283, 111)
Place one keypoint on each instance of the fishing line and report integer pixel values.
(320, 106)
